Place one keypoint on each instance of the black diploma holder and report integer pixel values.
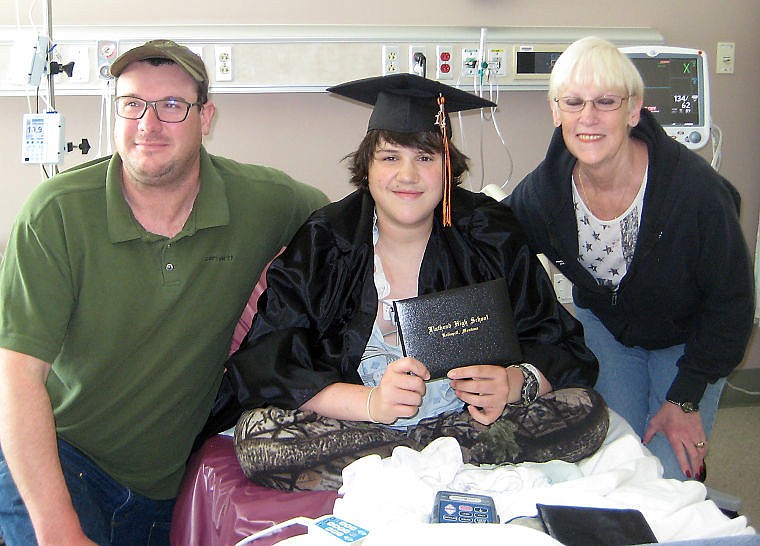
(459, 327)
(586, 526)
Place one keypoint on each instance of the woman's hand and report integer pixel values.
(400, 391)
(686, 435)
(487, 389)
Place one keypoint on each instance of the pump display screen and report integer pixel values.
(672, 88)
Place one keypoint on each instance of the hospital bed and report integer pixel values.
(218, 506)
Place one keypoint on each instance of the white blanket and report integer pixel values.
(399, 491)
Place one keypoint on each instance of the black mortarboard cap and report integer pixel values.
(407, 103)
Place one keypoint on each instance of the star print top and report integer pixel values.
(605, 247)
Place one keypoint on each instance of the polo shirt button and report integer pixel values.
(169, 267)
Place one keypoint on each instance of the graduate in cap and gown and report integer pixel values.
(321, 376)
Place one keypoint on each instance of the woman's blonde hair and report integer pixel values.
(595, 61)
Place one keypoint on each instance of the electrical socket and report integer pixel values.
(223, 63)
(391, 59)
(418, 67)
(444, 61)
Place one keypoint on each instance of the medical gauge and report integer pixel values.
(676, 90)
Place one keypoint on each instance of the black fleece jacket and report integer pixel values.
(691, 277)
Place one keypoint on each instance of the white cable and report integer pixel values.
(18, 16)
(300, 520)
(31, 18)
(745, 391)
(104, 127)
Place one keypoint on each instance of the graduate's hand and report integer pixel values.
(486, 389)
(400, 391)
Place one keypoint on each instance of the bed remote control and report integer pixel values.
(452, 507)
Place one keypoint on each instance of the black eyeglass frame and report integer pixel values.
(153, 103)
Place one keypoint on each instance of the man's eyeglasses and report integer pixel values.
(605, 103)
(167, 110)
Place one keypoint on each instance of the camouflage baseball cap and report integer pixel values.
(164, 49)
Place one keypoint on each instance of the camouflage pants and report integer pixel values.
(301, 450)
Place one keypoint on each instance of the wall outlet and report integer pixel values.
(391, 59)
(223, 63)
(444, 57)
(418, 60)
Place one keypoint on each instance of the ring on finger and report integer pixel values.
(699, 445)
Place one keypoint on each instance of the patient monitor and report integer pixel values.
(676, 90)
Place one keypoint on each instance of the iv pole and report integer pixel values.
(50, 75)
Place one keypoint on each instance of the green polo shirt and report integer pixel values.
(136, 325)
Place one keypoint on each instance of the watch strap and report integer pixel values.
(686, 407)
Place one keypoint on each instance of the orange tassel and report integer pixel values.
(446, 175)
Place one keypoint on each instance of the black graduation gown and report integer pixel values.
(316, 316)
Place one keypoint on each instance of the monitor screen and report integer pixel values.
(671, 90)
(675, 90)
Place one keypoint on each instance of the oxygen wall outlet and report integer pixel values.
(107, 52)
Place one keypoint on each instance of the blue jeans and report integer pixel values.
(110, 514)
(635, 382)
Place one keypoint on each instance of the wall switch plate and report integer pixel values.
(724, 60)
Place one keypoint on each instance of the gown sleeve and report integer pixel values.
(304, 336)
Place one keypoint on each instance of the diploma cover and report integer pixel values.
(585, 526)
(459, 327)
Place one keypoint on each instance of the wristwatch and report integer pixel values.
(686, 407)
(531, 383)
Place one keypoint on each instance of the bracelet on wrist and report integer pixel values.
(369, 408)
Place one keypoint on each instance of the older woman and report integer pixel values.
(649, 235)
(323, 348)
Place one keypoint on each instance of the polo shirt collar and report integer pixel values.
(211, 207)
